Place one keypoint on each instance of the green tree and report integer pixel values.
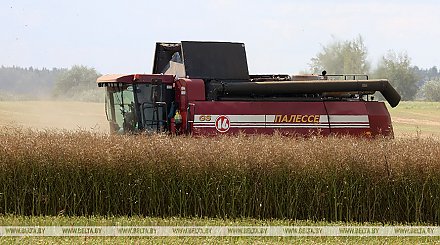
(431, 89)
(342, 57)
(396, 67)
(77, 80)
(428, 74)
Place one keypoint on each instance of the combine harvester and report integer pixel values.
(204, 88)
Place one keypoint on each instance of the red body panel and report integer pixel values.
(380, 119)
(348, 117)
(260, 117)
(291, 118)
(188, 91)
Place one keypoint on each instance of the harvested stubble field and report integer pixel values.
(416, 118)
(320, 179)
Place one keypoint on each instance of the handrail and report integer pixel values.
(354, 76)
(188, 113)
(161, 104)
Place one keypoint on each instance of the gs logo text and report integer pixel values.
(205, 118)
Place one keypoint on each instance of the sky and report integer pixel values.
(280, 36)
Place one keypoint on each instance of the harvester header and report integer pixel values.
(204, 88)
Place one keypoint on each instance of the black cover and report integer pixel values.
(215, 60)
(290, 88)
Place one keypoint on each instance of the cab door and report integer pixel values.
(153, 106)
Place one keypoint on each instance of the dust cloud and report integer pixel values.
(64, 115)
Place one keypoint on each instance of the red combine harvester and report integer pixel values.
(204, 88)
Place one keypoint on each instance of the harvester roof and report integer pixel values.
(117, 79)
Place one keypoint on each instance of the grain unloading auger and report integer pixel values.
(204, 88)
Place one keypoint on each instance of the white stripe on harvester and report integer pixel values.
(267, 121)
(349, 119)
(234, 118)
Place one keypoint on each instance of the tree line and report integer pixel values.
(18, 82)
(350, 57)
(76, 83)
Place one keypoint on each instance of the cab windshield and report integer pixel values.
(135, 107)
(121, 111)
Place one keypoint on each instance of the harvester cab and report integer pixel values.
(141, 102)
(204, 88)
(138, 102)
